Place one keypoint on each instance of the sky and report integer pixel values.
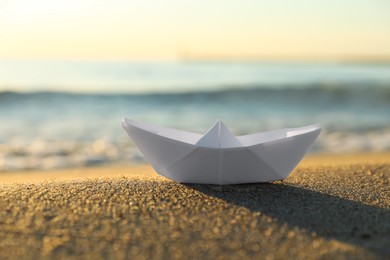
(170, 29)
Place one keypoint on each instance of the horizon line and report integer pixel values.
(223, 58)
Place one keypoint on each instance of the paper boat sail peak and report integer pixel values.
(218, 136)
(219, 157)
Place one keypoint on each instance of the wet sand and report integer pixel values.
(332, 206)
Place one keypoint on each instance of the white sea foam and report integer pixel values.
(49, 154)
(350, 142)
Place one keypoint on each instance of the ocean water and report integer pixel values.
(56, 114)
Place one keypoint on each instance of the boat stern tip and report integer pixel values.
(123, 122)
(127, 121)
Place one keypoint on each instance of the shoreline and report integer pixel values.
(145, 170)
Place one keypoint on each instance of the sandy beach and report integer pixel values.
(208, 91)
(332, 206)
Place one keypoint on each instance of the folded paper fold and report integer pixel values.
(219, 157)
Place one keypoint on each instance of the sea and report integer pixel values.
(58, 114)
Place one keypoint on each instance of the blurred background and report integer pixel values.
(70, 70)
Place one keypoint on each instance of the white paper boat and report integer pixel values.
(218, 157)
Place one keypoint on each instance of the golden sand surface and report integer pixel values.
(330, 207)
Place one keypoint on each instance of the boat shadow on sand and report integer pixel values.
(328, 216)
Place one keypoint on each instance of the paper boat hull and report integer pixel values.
(187, 163)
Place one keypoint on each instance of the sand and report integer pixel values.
(331, 207)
